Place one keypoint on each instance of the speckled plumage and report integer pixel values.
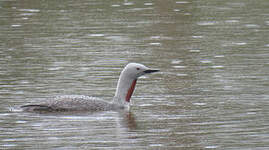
(72, 103)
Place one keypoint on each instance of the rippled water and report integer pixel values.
(211, 93)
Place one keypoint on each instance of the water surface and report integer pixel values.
(211, 93)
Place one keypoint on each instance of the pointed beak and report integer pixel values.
(151, 70)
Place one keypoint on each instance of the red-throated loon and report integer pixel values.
(125, 88)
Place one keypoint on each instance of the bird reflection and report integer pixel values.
(127, 120)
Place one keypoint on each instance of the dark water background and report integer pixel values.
(211, 93)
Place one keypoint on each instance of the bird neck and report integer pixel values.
(124, 91)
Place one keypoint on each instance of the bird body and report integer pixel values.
(121, 100)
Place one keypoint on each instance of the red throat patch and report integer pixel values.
(130, 91)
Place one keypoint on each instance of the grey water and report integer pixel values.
(212, 91)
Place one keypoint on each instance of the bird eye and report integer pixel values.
(137, 68)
